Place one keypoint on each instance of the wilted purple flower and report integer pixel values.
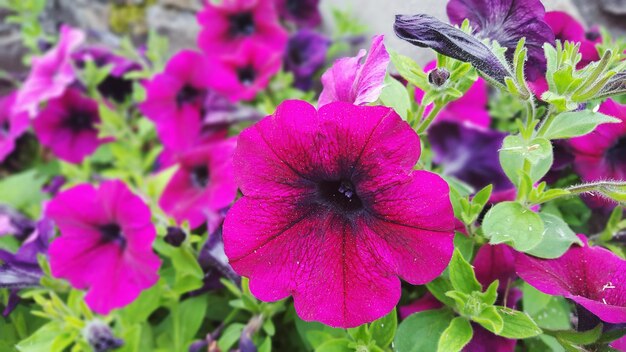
(114, 86)
(429, 32)
(304, 13)
(469, 153)
(55, 184)
(175, 236)
(306, 53)
(12, 125)
(21, 269)
(14, 223)
(507, 21)
(51, 73)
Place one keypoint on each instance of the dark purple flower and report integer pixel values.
(429, 32)
(469, 153)
(100, 337)
(304, 13)
(21, 269)
(306, 53)
(114, 86)
(175, 236)
(54, 186)
(507, 21)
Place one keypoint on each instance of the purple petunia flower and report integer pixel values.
(114, 86)
(333, 211)
(306, 53)
(242, 75)
(21, 269)
(304, 13)
(469, 153)
(176, 100)
(429, 32)
(12, 125)
(354, 82)
(105, 244)
(51, 73)
(15, 223)
(227, 26)
(590, 276)
(203, 185)
(67, 126)
(508, 21)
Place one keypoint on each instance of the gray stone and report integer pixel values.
(614, 7)
(179, 26)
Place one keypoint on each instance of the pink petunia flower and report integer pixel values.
(67, 126)
(242, 75)
(51, 73)
(590, 276)
(333, 211)
(203, 186)
(470, 109)
(105, 244)
(225, 27)
(600, 154)
(304, 13)
(354, 82)
(566, 28)
(12, 125)
(175, 100)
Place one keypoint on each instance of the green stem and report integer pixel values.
(531, 113)
(430, 118)
(550, 116)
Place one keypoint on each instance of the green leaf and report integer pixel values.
(360, 333)
(549, 312)
(230, 336)
(517, 325)
(41, 340)
(438, 287)
(574, 124)
(190, 316)
(580, 338)
(12, 189)
(456, 336)
(464, 244)
(512, 223)
(314, 334)
(490, 319)
(557, 238)
(515, 150)
(420, 332)
(395, 95)
(410, 70)
(335, 345)
(462, 275)
(384, 329)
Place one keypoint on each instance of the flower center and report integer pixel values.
(616, 154)
(341, 194)
(112, 233)
(241, 24)
(592, 36)
(187, 94)
(200, 176)
(294, 55)
(4, 127)
(79, 121)
(246, 75)
(116, 88)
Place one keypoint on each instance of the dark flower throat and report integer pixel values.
(79, 121)
(616, 154)
(341, 194)
(246, 75)
(112, 233)
(200, 176)
(241, 24)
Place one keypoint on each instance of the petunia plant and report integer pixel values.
(287, 188)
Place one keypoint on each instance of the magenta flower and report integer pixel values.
(245, 73)
(333, 211)
(51, 73)
(105, 244)
(12, 125)
(225, 27)
(304, 13)
(590, 276)
(566, 28)
(203, 185)
(600, 154)
(507, 21)
(175, 99)
(67, 126)
(354, 82)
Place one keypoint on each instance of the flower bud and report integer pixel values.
(100, 337)
(438, 77)
(175, 236)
